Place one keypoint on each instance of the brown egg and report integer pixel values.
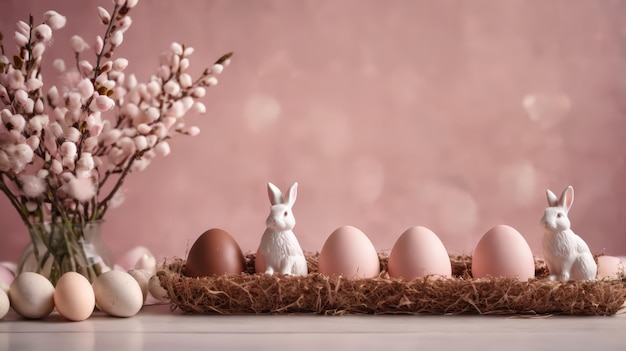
(215, 252)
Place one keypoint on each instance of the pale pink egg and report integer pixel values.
(74, 297)
(503, 252)
(609, 267)
(418, 252)
(350, 253)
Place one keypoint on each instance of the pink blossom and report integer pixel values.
(117, 199)
(117, 38)
(21, 96)
(141, 143)
(50, 144)
(56, 129)
(39, 106)
(68, 163)
(185, 80)
(81, 189)
(152, 140)
(31, 206)
(15, 78)
(85, 164)
(217, 68)
(176, 48)
(37, 123)
(199, 107)
(89, 144)
(104, 15)
(59, 65)
(153, 88)
(38, 50)
(163, 72)
(131, 82)
(43, 33)
(130, 110)
(104, 103)
(85, 88)
(163, 148)
(131, 3)
(120, 64)
(198, 92)
(184, 64)
(168, 122)
(74, 101)
(31, 185)
(193, 131)
(78, 44)
(33, 142)
(33, 84)
(152, 114)
(19, 155)
(211, 81)
(54, 19)
(72, 134)
(140, 164)
(177, 110)
(159, 130)
(127, 145)
(124, 24)
(20, 39)
(56, 167)
(111, 137)
(85, 67)
(188, 51)
(18, 122)
(143, 128)
(42, 173)
(23, 28)
(68, 149)
(53, 96)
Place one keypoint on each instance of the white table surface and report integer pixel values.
(157, 328)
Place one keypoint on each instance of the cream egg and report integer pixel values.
(32, 295)
(74, 297)
(350, 253)
(503, 252)
(118, 294)
(141, 276)
(418, 252)
(156, 290)
(4, 304)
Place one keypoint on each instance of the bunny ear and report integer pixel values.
(552, 199)
(567, 198)
(276, 197)
(292, 193)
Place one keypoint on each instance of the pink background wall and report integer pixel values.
(454, 115)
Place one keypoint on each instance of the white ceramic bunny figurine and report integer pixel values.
(565, 253)
(279, 246)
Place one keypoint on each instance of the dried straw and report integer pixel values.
(319, 294)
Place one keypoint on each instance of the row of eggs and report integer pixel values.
(116, 292)
(418, 252)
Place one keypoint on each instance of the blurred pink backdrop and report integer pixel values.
(454, 115)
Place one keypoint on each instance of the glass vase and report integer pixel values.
(60, 247)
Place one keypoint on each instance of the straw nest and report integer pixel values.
(250, 293)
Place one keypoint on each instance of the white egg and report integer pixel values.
(4, 304)
(156, 290)
(32, 295)
(142, 280)
(118, 294)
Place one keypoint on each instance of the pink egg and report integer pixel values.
(418, 252)
(6, 275)
(350, 253)
(74, 297)
(503, 252)
(609, 267)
